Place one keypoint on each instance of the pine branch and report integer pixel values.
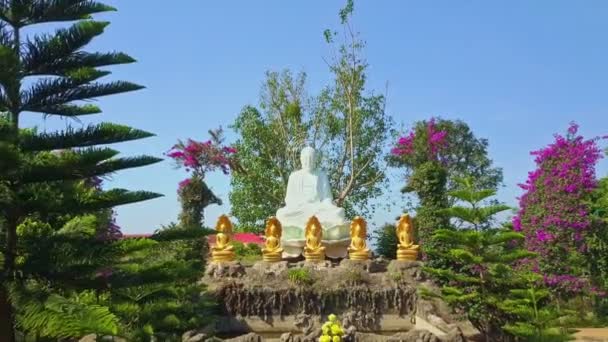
(82, 168)
(21, 13)
(59, 53)
(91, 204)
(9, 66)
(52, 93)
(6, 38)
(69, 110)
(100, 134)
(43, 11)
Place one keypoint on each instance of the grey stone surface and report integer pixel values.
(414, 336)
(194, 336)
(233, 269)
(371, 266)
(270, 268)
(251, 337)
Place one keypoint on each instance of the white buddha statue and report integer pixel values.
(309, 194)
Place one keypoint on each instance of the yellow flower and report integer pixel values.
(336, 339)
(336, 329)
(325, 339)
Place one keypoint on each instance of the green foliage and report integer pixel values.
(348, 127)
(462, 154)
(537, 320)
(386, 241)
(331, 330)
(247, 252)
(55, 240)
(194, 197)
(56, 316)
(479, 275)
(473, 215)
(429, 183)
(300, 276)
(154, 284)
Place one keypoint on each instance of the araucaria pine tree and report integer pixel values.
(51, 74)
(480, 274)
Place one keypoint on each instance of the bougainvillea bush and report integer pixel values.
(554, 214)
(199, 158)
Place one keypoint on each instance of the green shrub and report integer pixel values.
(247, 252)
(386, 241)
(300, 276)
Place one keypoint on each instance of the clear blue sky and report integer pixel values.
(515, 71)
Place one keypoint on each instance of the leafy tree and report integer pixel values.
(479, 272)
(386, 241)
(461, 153)
(349, 127)
(51, 74)
(435, 154)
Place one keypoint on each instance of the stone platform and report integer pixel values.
(374, 297)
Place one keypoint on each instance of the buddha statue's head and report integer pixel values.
(307, 158)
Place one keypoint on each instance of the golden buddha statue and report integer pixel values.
(358, 233)
(272, 251)
(313, 250)
(223, 251)
(406, 249)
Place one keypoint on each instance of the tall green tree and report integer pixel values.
(479, 270)
(52, 74)
(346, 123)
(434, 155)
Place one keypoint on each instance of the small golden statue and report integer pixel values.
(272, 251)
(314, 251)
(406, 249)
(223, 251)
(358, 233)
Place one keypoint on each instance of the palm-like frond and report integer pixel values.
(60, 317)
(69, 110)
(55, 54)
(65, 10)
(5, 35)
(92, 204)
(50, 93)
(27, 12)
(100, 134)
(9, 67)
(86, 163)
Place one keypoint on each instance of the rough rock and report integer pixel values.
(251, 337)
(194, 336)
(369, 337)
(371, 266)
(414, 336)
(321, 265)
(270, 268)
(232, 269)
(411, 270)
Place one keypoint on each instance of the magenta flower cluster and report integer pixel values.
(202, 157)
(435, 141)
(553, 214)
